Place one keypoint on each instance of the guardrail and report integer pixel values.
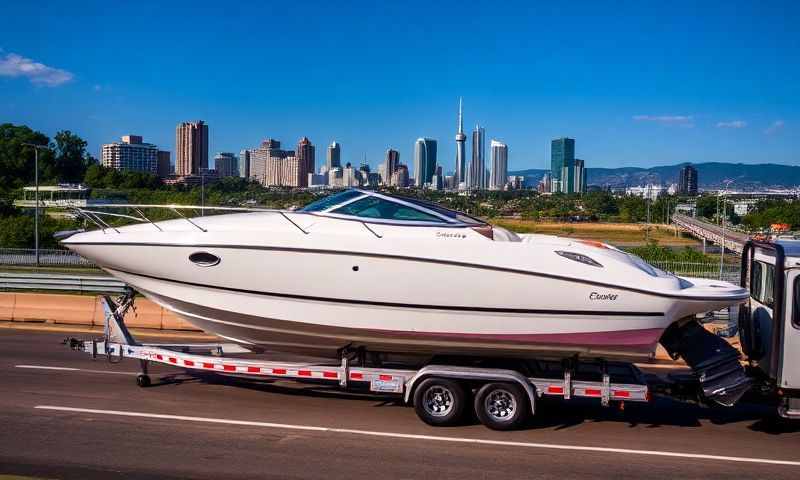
(47, 257)
(53, 281)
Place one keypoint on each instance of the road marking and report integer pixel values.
(70, 369)
(423, 437)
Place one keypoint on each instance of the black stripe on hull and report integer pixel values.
(522, 311)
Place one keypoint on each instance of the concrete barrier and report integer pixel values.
(83, 310)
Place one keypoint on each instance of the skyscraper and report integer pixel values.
(562, 165)
(164, 164)
(226, 164)
(687, 181)
(499, 174)
(191, 148)
(307, 159)
(424, 161)
(131, 154)
(477, 167)
(461, 155)
(580, 176)
(390, 165)
(244, 163)
(334, 156)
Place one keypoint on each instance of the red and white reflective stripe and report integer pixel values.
(555, 390)
(620, 393)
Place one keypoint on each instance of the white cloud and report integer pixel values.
(679, 120)
(13, 65)
(732, 124)
(775, 127)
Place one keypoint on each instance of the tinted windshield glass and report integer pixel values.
(456, 215)
(328, 202)
(376, 207)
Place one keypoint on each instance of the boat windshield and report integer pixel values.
(376, 207)
(331, 201)
(454, 214)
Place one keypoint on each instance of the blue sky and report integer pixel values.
(635, 83)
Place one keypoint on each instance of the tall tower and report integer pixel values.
(461, 156)
(391, 164)
(562, 165)
(424, 161)
(477, 168)
(306, 158)
(499, 173)
(191, 148)
(334, 156)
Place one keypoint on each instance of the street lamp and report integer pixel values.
(722, 251)
(36, 209)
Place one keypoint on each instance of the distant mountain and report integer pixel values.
(710, 175)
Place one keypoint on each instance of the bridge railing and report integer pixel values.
(730, 272)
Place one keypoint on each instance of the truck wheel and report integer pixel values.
(143, 380)
(440, 402)
(501, 406)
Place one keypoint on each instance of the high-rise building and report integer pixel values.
(475, 174)
(131, 154)
(424, 161)
(461, 155)
(579, 184)
(334, 156)
(545, 184)
(562, 165)
(499, 173)
(390, 164)
(687, 181)
(226, 164)
(191, 148)
(244, 163)
(307, 159)
(273, 167)
(164, 169)
(400, 177)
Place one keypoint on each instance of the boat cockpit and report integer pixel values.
(373, 207)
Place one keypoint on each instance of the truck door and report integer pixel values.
(757, 327)
(790, 364)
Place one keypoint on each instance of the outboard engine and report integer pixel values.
(715, 363)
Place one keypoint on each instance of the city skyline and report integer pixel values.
(645, 103)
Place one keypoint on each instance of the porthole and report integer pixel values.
(204, 259)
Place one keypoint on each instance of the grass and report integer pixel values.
(621, 234)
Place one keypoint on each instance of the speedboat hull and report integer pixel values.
(319, 302)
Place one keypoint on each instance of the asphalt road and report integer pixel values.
(351, 436)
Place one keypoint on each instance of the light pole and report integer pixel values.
(203, 172)
(722, 251)
(36, 208)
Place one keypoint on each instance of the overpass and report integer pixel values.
(709, 232)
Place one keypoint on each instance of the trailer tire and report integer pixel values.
(440, 401)
(501, 406)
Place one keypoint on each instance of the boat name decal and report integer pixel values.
(603, 296)
(450, 235)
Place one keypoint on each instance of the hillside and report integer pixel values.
(710, 174)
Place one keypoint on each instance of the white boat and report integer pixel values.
(364, 270)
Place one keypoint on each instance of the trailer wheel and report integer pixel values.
(501, 406)
(440, 402)
(143, 380)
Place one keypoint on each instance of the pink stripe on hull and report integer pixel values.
(643, 339)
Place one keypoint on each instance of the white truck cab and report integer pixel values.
(769, 323)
